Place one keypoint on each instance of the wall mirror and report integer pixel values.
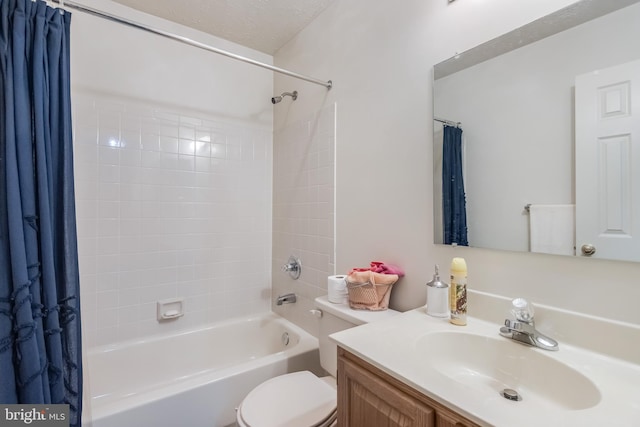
(550, 119)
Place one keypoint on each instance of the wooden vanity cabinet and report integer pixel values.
(369, 397)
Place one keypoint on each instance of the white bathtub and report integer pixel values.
(195, 378)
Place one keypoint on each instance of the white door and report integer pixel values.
(608, 163)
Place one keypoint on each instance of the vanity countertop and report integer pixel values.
(569, 387)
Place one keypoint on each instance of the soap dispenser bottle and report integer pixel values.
(437, 297)
(458, 295)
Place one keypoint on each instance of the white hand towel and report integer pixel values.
(552, 229)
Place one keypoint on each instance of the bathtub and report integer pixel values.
(195, 378)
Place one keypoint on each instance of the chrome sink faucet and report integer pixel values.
(523, 328)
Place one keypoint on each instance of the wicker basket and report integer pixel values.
(369, 296)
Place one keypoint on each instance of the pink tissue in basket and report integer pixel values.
(380, 267)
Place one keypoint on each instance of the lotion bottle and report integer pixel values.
(458, 292)
(437, 297)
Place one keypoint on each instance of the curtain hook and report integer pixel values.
(61, 8)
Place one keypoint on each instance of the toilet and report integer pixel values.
(301, 399)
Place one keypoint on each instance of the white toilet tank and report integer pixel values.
(336, 318)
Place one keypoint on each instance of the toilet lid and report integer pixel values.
(291, 400)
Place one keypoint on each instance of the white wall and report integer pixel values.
(380, 57)
(117, 59)
(517, 114)
(173, 164)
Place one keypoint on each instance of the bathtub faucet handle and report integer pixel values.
(293, 267)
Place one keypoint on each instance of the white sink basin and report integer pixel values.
(489, 364)
(466, 367)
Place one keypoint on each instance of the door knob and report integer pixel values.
(588, 250)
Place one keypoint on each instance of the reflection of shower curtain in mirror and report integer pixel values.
(454, 212)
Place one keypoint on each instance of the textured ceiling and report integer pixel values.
(264, 25)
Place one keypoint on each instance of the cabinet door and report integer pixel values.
(449, 420)
(365, 400)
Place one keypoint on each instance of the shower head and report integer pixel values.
(277, 99)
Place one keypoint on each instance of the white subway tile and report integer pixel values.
(187, 132)
(85, 135)
(107, 226)
(218, 150)
(108, 173)
(130, 280)
(234, 152)
(169, 144)
(107, 301)
(202, 148)
(129, 262)
(150, 141)
(130, 209)
(108, 191)
(109, 137)
(187, 146)
(162, 197)
(150, 159)
(127, 314)
(130, 122)
(128, 331)
(87, 264)
(85, 115)
(186, 162)
(107, 245)
(130, 175)
(107, 264)
(130, 227)
(130, 154)
(107, 334)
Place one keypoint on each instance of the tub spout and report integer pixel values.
(286, 299)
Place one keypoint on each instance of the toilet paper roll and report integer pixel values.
(337, 289)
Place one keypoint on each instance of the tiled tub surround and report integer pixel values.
(170, 203)
(303, 211)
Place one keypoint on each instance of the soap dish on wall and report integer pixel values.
(169, 309)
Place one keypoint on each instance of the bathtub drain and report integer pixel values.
(285, 338)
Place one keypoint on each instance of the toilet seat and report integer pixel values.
(291, 400)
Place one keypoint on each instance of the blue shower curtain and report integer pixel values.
(454, 210)
(40, 345)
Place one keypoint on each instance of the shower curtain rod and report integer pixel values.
(86, 9)
(447, 122)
